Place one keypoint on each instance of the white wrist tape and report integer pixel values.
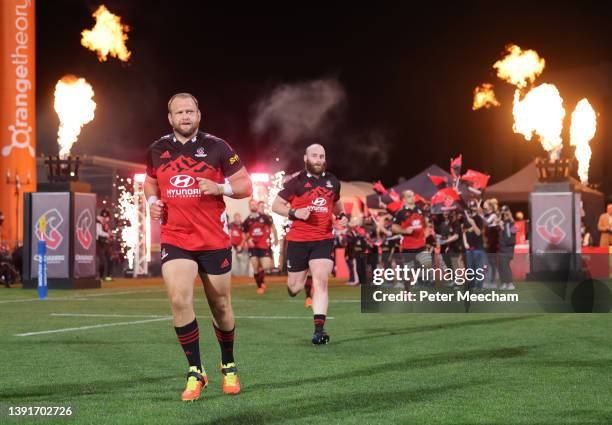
(227, 188)
(152, 199)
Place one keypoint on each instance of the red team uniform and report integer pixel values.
(236, 235)
(259, 228)
(415, 241)
(195, 225)
(313, 238)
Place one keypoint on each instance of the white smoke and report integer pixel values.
(295, 112)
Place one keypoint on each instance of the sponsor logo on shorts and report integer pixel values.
(225, 263)
(164, 254)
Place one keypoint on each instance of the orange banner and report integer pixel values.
(17, 113)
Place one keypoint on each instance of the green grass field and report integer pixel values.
(378, 368)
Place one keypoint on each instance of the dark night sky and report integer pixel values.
(407, 71)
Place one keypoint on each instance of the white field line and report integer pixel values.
(158, 316)
(105, 325)
(80, 297)
(106, 315)
(136, 322)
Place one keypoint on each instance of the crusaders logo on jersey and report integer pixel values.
(200, 153)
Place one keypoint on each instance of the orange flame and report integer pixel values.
(107, 37)
(75, 108)
(484, 97)
(519, 67)
(541, 113)
(582, 130)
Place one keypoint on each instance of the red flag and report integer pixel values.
(446, 199)
(395, 206)
(440, 181)
(379, 188)
(348, 208)
(455, 166)
(394, 195)
(363, 206)
(418, 198)
(477, 179)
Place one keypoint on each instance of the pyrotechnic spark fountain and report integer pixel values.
(582, 130)
(107, 37)
(128, 216)
(75, 107)
(279, 221)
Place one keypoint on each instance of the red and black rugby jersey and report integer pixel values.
(236, 234)
(318, 194)
(407, 217)
(259, 229)
(195, 222)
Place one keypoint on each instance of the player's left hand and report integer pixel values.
(209, 187)
(343, 221)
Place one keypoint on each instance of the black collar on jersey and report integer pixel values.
(416, 209)
(310, 175)
(193, 139)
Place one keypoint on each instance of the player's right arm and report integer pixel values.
(151, 189)
(397, 228)
(282, 203)
(283, 207)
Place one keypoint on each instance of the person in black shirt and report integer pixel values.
(473, 231)
(449, 238)
(104, 245)
(492, 227)
(361, 246)
(507, 240)
(390, 241)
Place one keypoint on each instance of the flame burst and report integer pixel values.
(484, 97)
(519, 67)
(107, 37)
(582, 130)
(75, 107)
(541, 113)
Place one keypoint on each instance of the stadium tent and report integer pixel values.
(419, 184)
(517, 187)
